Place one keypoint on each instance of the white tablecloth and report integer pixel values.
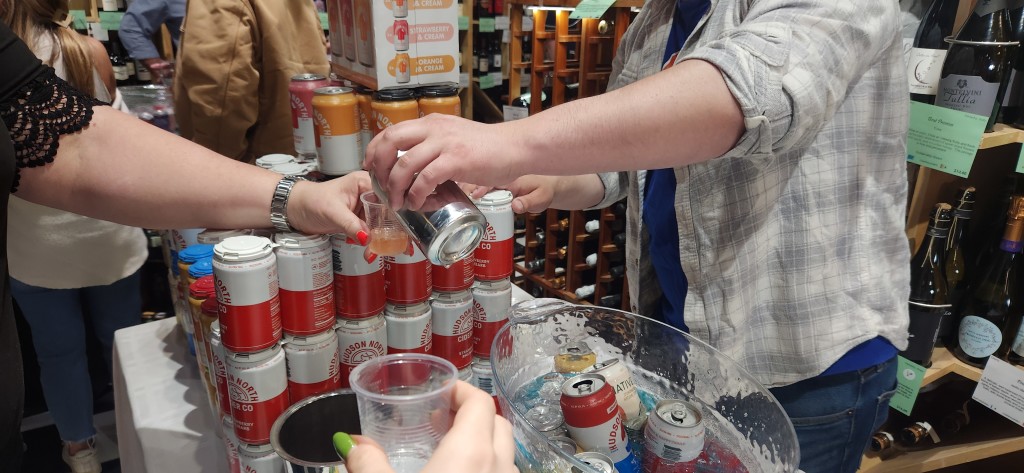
(164, 422)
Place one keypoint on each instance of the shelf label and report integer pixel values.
(463, 22)
(486, 81)
(111, 20)
(591, 9)
(487, 25)
(497, 78)
(502, 22)
(96, 31)
(1001, 389)
(527, 23)
(1020, 161)
(464, 80)
(515, 113)
(78, 19)
(324, 23)
(943, 139)
(909, 376)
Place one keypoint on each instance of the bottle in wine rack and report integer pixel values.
(613, 301)
(929, 50)
(882, 442)
(518, 250)
(585, 292)
(562, 252)
(535, 266)
(619, 240)
(929, 302)
(616, 272)
(1012, 99)
(592, 226)
(558, 282)
(957, 258)
(619, 208)
(563, 224)
(540, 237)
(591, 260)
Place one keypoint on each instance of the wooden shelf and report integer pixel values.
(944, 363)
(1001, 135)
(609, 248)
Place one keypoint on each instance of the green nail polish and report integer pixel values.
(343, 444)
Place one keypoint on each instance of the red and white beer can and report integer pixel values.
(455, 277)
(452, 325)
(305, 273)
(673, 437)
(360, 340)
(212, 237)
(218, 362)
(492, 301)
(231, 444)
(401, 31)
(407, 279)
(618, 376)
(259, 458)
(493, 257)
(466, 374)
(358, 285)
(258, 383)
(593, 417)
(312, 364)
(300, 91)
(245, 270)
(409, 328)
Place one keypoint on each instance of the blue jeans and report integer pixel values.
(57, 319)
(835, 415)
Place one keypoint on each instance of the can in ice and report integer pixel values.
(220, 370)
(360, 340)
(231, 444)
(597, 461)
(548, 420)
(595, 420)
(401, 34)
(312, 364)
(617, 375)
(452, 326)
(574, 357)
(305, 274)
(300, 91)
(259, 458)
(409, 328)
(492, 301)
(457, 276)
(493, 256)
(245, 270)
(565, 444)
(358, 285)
(258, 383)
(407, 279)
(673, 437)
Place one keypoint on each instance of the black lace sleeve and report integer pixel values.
(40, 112)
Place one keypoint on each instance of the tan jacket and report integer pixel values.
(234, 65)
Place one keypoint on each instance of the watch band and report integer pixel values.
(279, 204)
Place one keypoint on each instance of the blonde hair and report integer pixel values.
(25, 16)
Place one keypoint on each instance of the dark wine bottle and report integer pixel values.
(957, 257)
(1010, 109)
(929, 49)
(117, 60)
(989, 317)
(929, 300)
(974, 73)
(612, 301)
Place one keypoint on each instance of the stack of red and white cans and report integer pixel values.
(359, 298)
(452, 318)
(492, 292)
(246, 273)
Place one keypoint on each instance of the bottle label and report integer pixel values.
(924, 70)
(121, 72)
(1011, 246)
(988, 7)
(1013, 90)
(110, 5)
(970, 94)
(924, 330)
(1018, 342)
(979, 338)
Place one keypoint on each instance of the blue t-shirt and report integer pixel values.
(663, 231)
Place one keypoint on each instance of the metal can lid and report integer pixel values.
(309, 340)
(499, 285)
(332, 90)
(215, 326)
(600, 365)
(449, 89)
(466, 374)
(202, 288)
(495, 198)
(545, 418)
(257, 449)
(203, 267)
(254, 358)
(394, 95)
(299, 240)
(195, 253)
(268, 161)
(577, 348)
(564, 444)
(407, 310)
(677, 412)
(308, 77)
(458, 237)
(452, 297)
(375, 319)
(481, 361)
(597, 461)
(291, 169)
(583, 385)
(242, 248)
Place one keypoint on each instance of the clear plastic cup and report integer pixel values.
(387, 237)
(405, 405)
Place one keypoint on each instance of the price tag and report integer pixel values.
(96, 31)
(591, 9)
(1001, 389)
(527, 23)
(496, 78)
(514, 113)
(464, 80)
(486, 82)
(1020, 161)
(909, 376)
(78, 19)
(943, 139)
(487, 25)
(502, 22)
(463, 23)
(525, 80)
(111, 20)
(323, 20)
(506, 36)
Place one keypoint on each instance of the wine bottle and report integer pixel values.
(957, 257)
(591, 260)
(882, 442)
(978, 62)
(929, 302)
(562, 224)
(496, 55)
(535, 266)
(592, 226)
(584, 292)
(613, 301)
(1010, 109)
(619, 208)
(989, 317)
(915, 433)
(616, 272)
(117, 60)
(929, 50)
(518, 250)
(558, 282)
(540, 237)
(619, 239)
(562, 252)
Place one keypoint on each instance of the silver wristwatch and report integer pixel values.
(279, 204)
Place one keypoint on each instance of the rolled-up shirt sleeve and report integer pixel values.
(140, 22)
(789, 65)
